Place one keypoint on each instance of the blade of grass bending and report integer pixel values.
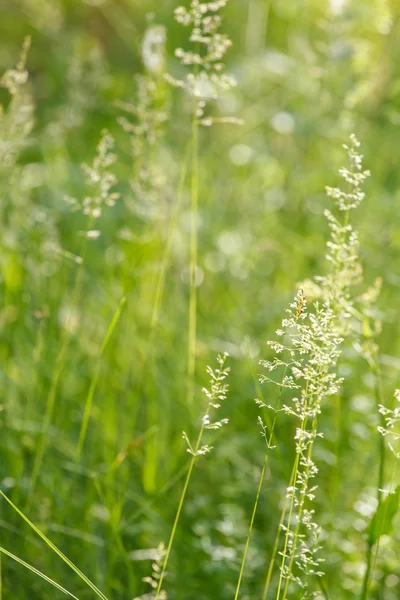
(37, 572)
(95, 378)
(55, 549)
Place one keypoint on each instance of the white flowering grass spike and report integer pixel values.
(101, 180)
(153, 49)
(354, 175)
(215, 394)
(307, 352)
(345, 271)
(391, 428)
(207, 79)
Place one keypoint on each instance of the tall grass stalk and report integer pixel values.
(277, 537)
(215, 394)
(193, 261)
(269, 441)
(316, 349)
(246, 548)
(299, 515)
(159, 291)
(282, 577)
(368, 576)
(204, 83)
(178, 514)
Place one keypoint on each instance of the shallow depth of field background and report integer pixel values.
(308, 74)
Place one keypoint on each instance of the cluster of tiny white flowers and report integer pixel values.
(153, 579)
(343, 257)
(312, 341)
(101, 180)
(346, 270)
(146, 129)
(391, 429)
(153, 49)
(354, 176)
(215, 394)
(207, 80)
(316, 348)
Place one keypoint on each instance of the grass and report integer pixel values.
(206, 229)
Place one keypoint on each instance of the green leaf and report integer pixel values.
(382, 521)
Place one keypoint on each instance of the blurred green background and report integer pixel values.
(308, 74)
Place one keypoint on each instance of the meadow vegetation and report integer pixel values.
(199, 349)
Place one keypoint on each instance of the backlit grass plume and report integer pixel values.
(307, 351)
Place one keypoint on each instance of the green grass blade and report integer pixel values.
(37, 572)
(55, 549)
(113, 324)
(95, 379)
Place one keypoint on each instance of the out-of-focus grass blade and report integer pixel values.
(382, 521)
(37, 572)
(55, 549)
(95, 378)
(112, 325)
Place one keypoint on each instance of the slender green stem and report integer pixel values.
(301, 507)
(292, 498)
(180, 505)
(277, 537)
(193, 262)
(246, 548)
(168, 246)
(375, 367)
(260, 482)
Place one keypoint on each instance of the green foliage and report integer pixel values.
(382, 521)
(201, 205)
